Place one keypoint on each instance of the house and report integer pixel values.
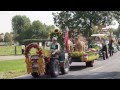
(2, 37)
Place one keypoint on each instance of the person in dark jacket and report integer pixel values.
(111, 47)
(104, 50)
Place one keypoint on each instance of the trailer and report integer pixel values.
(88, 57)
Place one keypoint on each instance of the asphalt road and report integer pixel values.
(103, 69)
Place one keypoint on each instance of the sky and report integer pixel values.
(6, 18)
(115, 25)
(43, 16)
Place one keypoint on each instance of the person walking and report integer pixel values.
(111, 47)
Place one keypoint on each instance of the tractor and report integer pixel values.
(40, 64)
(101, 44)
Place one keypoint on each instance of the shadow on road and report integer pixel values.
(96, 75)
(77, 68)
(72, 68)
(43, 77)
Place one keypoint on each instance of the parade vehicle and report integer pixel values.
(40, 64)
(83, 55)
(101, 44)
(87, 56)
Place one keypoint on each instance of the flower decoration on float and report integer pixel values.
(30, 46)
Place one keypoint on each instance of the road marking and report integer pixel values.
(96, 68)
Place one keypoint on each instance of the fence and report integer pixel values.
(10, 50)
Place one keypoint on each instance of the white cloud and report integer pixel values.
(115, 25)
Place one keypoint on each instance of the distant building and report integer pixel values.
(2, 37)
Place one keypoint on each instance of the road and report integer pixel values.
(103, 69)
(11, 57)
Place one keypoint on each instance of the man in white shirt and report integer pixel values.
(55, 47)
(23, 48)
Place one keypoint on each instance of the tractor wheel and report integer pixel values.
(35, 74)
(65, 68)
(47, 69)
(89, 64)
(54, 68)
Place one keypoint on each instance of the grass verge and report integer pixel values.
(12, 68)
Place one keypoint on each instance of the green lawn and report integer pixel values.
(12, 68)
(10, 50)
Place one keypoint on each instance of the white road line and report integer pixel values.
(96, 68)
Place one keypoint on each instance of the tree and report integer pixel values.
(95, 30)
(23, 29)
(19, 25)
(8, 38)
(117, 32)
(39, 31)
(49, 29)
(84, 20)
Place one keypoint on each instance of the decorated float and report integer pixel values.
(83, 54)
(40, 64)
(100, 41)
(35, 64)
(75, 49)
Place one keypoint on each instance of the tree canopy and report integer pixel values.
(24, 29)
(84, 20)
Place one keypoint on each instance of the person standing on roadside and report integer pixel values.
(23, 49)
(111, 46)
